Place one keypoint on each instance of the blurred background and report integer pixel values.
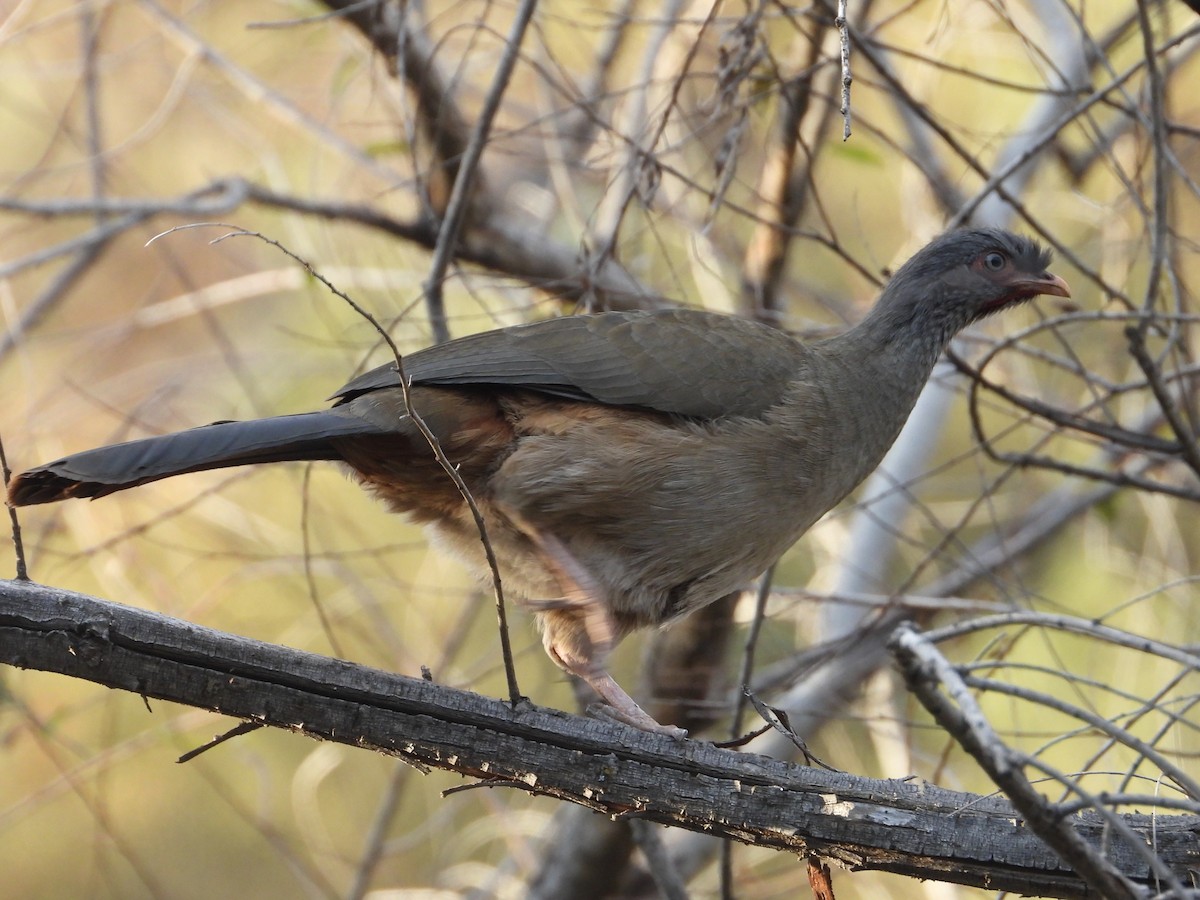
(642, 154)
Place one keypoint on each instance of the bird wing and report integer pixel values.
(683, 362)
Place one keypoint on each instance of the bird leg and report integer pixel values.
(578, 632)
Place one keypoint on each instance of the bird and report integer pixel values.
(629, 466)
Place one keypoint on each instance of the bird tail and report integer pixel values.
(95, 473)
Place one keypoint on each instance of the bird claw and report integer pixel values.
(642, 722)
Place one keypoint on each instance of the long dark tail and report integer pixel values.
(105, 470)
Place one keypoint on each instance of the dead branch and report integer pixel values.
(614, 770)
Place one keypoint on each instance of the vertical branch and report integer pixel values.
(447, 242)
(579, 128)
(1160, 200)
(781, 189)
(408, 53)
(90, 28)
(685, 667)
(22, 571)
(82, 260)
(841, 24)
(639, 143)
(1188, 448)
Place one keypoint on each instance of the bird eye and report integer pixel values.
(995, 261)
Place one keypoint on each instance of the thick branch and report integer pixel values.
(885, 825)
(503, 246)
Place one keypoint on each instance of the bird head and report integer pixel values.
(961, 277)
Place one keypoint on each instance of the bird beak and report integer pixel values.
(1045, 283)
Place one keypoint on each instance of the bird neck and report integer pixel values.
(901, 339)
(875, 371)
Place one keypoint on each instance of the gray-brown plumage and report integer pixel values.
(630, 466)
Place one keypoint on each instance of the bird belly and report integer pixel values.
(665, 517)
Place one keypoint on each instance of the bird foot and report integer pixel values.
(620, 707)
(579, 632)
(642, 722)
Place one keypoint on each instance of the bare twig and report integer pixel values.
(927, 674)
(648, 838)
(841, 24)
(460, 195)
(14, 521)
(1186, 446)
(782, 189)
(435, 446)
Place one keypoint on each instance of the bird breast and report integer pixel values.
(666, 515)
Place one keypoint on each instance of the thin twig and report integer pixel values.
(761, 595)
(925, 671)
(460, 194)
(1187, 447)
(1160, 197)
(1072, 625)
(842, 25)
(14, 521)
(515, 696)
(648, 837)
(236, 731)
(309, 578)
(1101, 724)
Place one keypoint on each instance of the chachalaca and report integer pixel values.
(630, 466)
